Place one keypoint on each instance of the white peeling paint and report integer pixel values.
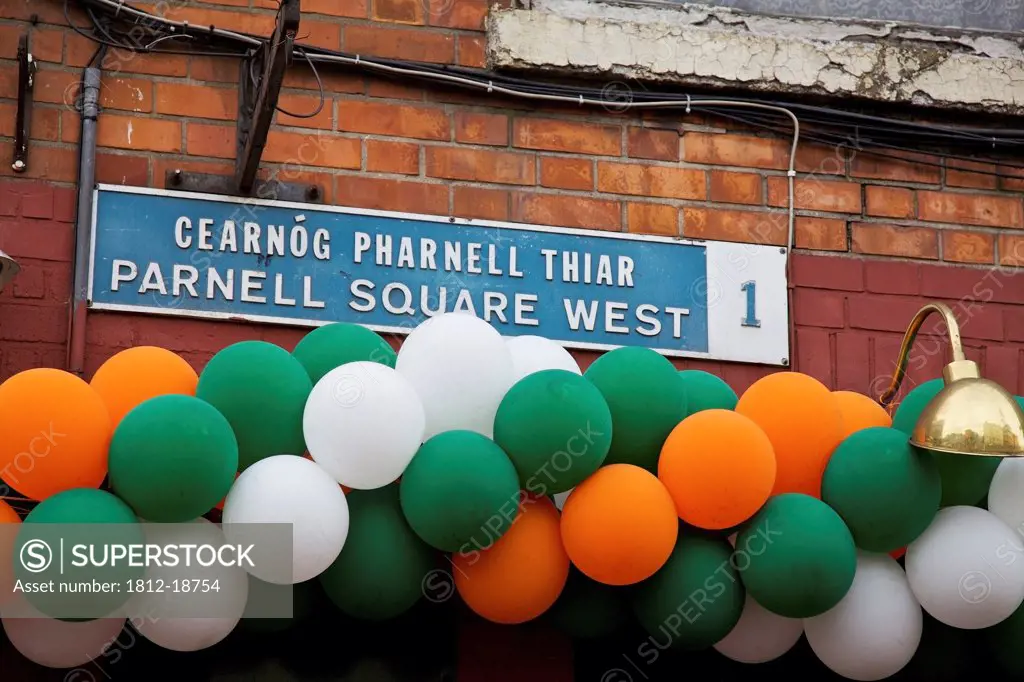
(699, 45)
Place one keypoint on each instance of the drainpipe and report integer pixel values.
(83, 228)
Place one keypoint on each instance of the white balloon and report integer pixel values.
(56, 643)
(875, 630)
(535, 354)
(1006, 494)
(200, 615)
(967, 568)
(461, 368)
(560, 498)
(363, 423)
(760, 635)
(290, 490)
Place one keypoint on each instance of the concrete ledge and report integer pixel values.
(703, 46)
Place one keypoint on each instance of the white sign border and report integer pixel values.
(716, 337)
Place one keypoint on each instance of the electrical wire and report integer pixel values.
(319, 84)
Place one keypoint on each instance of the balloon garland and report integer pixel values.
(739, 523)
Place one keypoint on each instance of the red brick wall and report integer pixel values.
(875, 237)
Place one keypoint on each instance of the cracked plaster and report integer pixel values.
(720, 47)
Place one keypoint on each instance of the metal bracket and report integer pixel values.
(258, 91)
(259, 88)
(23, 122)
(270, 188)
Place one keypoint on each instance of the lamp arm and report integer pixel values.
(952, 327)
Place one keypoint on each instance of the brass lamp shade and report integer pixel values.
(970, 415)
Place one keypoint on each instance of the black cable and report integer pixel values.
(319, 83)
(861, 126)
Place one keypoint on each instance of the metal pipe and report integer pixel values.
(956, 345)
(90, 97)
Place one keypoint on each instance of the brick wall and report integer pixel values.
(876, 237)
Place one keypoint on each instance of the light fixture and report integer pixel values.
(8, 269)
(970, 415)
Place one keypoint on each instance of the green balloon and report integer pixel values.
(647, 397)
(173, 458)
(1020, 401)
(705, 391)
(695, 599)
(587, 609)
(796, 556)
(556, 428)
(911, 407)
(886, 491)
(91, 518)
(336, 344)
(460, 492)
(383, 564)
(262, 390)
(965, 480)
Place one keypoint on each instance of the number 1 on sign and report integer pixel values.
(751, 290)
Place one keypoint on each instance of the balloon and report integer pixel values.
(886, 491)
(9, 524)
(173, 458)
(135, 375)
(965, 480)
(380, 571)
(705, 391)
(196, 618)
(262, 390)
(860, 412)
(535, 354)
(1006, 494)
(521, 575)
(587, 609)
(560, 498)
(54, 433)
(874, 631)
(460, 492)
(719, 468)
(647, 397)
(293, 490)
(363, 423)
(619, 526)
(966, 569)
(760, 635)
(57, 643)
(461, 368)
(796, 557)
(333, 345)
(556, 428)
(913, 404)
(802, 421)
(695, 599)
(83, 516)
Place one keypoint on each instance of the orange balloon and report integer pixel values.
(803, 422)
(520, 576)
(860, 412)
(9, 523)
(719, 468)
(54, 433)
(135, 375)
(619, 526)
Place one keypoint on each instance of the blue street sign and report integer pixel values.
(173, 253)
